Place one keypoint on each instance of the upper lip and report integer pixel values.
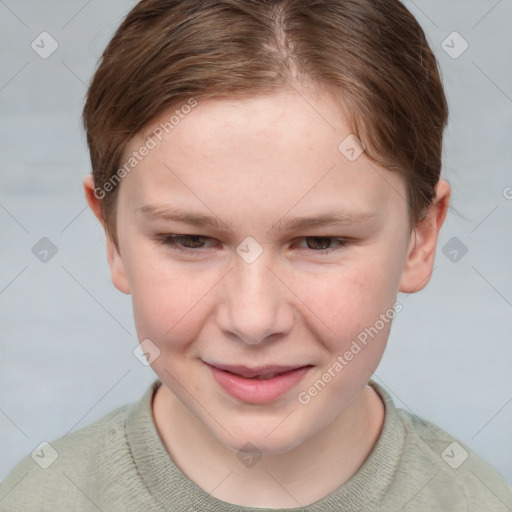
(248, 373)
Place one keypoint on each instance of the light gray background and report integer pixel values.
(67, 335)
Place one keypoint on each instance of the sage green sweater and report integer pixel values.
(119, 463)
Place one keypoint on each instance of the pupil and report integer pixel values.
(195, 238)
(318, 240)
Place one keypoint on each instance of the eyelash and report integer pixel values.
(172, 241)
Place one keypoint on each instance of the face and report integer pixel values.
(259, 290)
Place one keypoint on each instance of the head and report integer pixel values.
(247, 113)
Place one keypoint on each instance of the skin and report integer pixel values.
(251, 163)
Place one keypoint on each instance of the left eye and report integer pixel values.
(324, 241)
(193, 243)
(175, 242)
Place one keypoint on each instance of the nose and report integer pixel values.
(256, 306)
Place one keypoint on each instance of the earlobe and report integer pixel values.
(422, 248)
(115, 262)
(117, 268)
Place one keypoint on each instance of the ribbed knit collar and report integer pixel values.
(172, 490)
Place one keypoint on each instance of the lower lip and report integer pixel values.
(258, 391)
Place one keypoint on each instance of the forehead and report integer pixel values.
(281, 150)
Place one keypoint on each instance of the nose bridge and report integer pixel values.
(251, 272)
(255, 303)
(252, 280)
(252, 284)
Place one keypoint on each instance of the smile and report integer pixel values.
(257, 385)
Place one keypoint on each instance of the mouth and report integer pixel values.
(257, 385)
(260, 372)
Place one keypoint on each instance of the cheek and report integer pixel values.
(352, 298)
(166, 298)
(358, 308)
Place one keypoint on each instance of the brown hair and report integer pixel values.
(371, 56)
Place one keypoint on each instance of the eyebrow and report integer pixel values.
(331, 218)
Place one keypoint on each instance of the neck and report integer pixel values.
(328, 459)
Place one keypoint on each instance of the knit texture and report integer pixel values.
(119, 463)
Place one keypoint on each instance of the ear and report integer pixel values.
(422, 249)
(117, 269)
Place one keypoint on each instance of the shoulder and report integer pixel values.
(71, 470)
(445, 472)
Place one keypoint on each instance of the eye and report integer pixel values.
(194, 244)
(321, 244)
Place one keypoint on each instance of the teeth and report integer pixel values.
(263, 377)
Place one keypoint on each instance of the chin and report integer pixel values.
(266, 440)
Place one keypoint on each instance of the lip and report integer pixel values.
(240, 381)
